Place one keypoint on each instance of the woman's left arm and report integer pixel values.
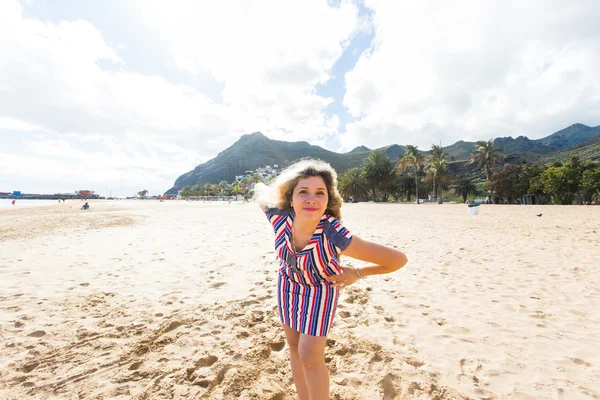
(384, 260)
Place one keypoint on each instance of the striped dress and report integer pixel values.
(306, 301)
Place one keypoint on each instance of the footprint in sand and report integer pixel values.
(37, 334)
(206, 361)
(414, 363)
(470, 368)
(217, 285)
(243, 335)
(27, 368)
(390, 385)
(172, 326)
(539, 314)
(357, 296)
(579, 361)
(135, 365)
(278, 346)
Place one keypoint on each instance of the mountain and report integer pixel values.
(393, 152)
(561, 140)
(460, 150)
(360, 149)
(256, 150)
(521, 144)
(588, 150)
(568, 137)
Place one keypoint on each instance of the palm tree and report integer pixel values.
(237, 189)
(209, 189)
(143, 193)
(405, 186)
(437, 152)
(485, 154)
(437, 164)
(438, 170)
(465, 187)
(379, 172)
(197, 190)
(222, 186)
(186, 191)
(412, 158)
(255, 178)
(352, 184)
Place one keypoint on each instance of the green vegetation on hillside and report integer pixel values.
(430, 174)
(586, 151)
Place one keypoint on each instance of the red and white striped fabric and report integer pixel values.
(307, 302)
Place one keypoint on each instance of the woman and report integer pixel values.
(304, 207)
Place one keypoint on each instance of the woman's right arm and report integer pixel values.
(260, 195)
(384, 258)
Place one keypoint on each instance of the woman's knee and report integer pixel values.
(292, 338)
(311, 356)
(293, 344)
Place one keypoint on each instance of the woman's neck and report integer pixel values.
(305, 225)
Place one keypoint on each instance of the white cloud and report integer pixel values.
(16, 125)
(51, 81)
(270, 55)
(51, 78)
(74, 110)
(474, 70)
(100, 162)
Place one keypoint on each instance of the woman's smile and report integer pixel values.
(310, 209)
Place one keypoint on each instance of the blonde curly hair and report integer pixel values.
(279, 194)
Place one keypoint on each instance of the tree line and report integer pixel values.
(223, 188)
(429, 176)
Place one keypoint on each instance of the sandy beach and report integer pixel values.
(161, 300)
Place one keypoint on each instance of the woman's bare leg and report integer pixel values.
(311, 350)
(297, 368)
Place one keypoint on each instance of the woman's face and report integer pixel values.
(310, 197)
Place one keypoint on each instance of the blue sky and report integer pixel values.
(335, 87)
(119, 96)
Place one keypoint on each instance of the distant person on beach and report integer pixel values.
(85, 206)
(304, 207)
(14, 202)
